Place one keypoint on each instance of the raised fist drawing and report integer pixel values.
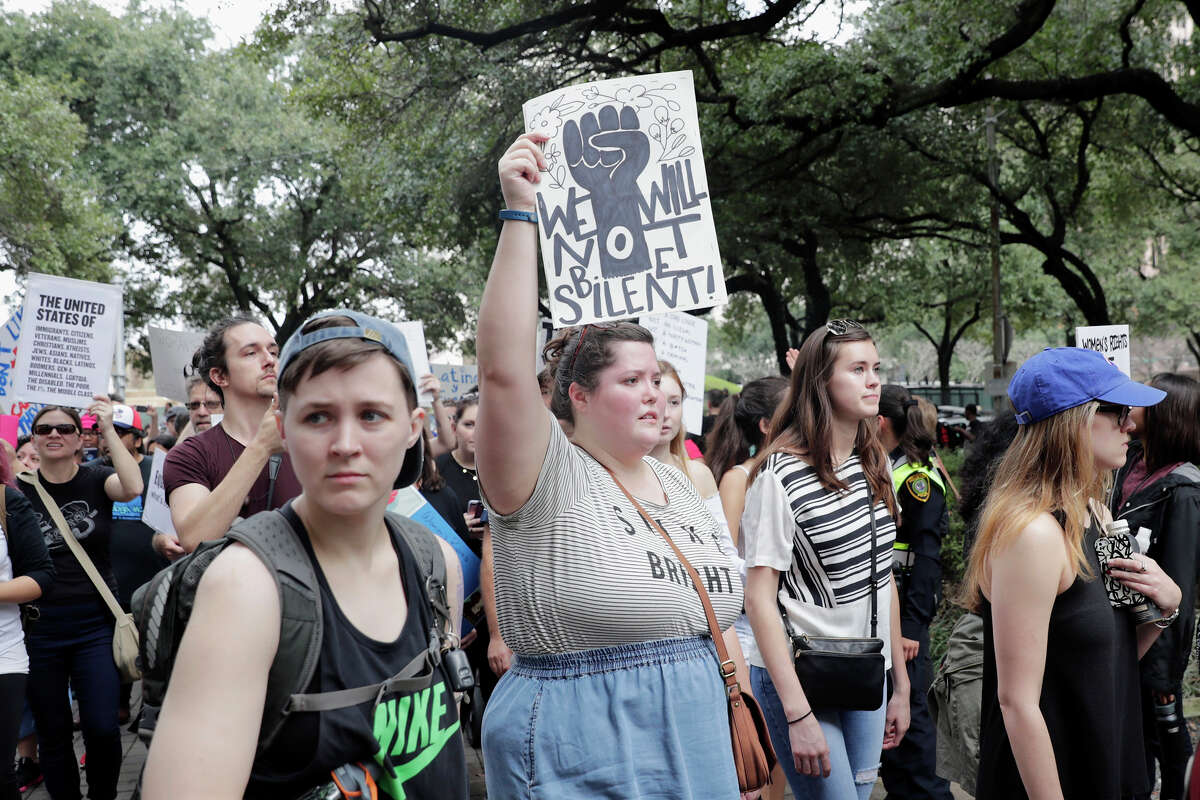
(606, 156)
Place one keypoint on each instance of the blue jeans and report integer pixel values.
(855, 740)
(645, 720)
(73, 645)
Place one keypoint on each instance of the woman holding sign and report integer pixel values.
(615, 690)
(70, 642)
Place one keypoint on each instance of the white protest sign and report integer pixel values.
(683, 340)
(170, 353)
(68, 334)
(456, 379)
(545, 331)
(156, 513)
(1111, 340)
(414, 334)
(624, 213)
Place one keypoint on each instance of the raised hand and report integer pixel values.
(606, 154)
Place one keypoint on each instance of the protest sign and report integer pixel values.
(24, 412)
(156, 513)
(409, 502)
(456, 379)
(624, 212)
(68, 334)
(1111, 340)
(545, 332)
(682, 339)
(170, 355)
(414, 334)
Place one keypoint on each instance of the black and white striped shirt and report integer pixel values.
(820, 541)
(577, 567)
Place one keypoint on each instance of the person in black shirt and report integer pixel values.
(350, 421)
(71, 640)
(458, 466)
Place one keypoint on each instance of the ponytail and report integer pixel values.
(908, 424)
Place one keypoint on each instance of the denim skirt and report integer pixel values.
(646, 720)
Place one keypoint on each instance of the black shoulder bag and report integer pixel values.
(842, 672)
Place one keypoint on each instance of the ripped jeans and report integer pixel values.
(855, 740)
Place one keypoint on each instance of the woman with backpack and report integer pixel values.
(1158, 493)
(1061, 714)
(350, 421)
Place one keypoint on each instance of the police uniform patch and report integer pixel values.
(918, 486)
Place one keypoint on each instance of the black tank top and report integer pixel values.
(419, 730)
(1089, 699)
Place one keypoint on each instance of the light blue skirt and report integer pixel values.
(641, 721)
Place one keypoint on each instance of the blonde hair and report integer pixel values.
(677, 447)
(1048, 467)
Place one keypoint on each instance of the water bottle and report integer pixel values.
(1166, 716)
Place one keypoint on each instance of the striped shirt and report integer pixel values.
(820, 541)
(578, 568)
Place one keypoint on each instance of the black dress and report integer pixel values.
(1090, 699)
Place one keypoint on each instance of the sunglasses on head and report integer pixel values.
(211, 405)
(65, 429)
(839, 327)
(1122, 412)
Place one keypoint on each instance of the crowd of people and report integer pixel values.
(323, 650)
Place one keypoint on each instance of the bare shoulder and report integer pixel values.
(239, 583)
(702, 477)
(734, 480)
(1035, 556)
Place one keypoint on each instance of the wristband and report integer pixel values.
(519, 216)
(800, 718)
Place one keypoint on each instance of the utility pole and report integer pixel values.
(996, 387)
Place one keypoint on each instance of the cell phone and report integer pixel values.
(475, 509)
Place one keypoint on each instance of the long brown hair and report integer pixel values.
(1048, 467)
(1172, 431)
(803, 423)
(677, 447)
(735, 436)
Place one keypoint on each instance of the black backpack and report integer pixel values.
(163, 605)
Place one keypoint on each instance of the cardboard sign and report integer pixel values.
(156, 513)
(456, 379)
(545, 332)
(682, 339)
(414, 334)
(1111, 340)
(625, 218)
(171, 355)
(409, 502)
(68, 335)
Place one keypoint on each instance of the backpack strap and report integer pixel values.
(271, 537)
(427, 549)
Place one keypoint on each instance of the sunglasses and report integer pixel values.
(65, 429)
(1122, 412)
(839, 327)
(211, 405)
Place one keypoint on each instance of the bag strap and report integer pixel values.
(76, 548)
(874, 559)
(714, 628)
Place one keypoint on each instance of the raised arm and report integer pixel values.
(126, 483)
(513, 433)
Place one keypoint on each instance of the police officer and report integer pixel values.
(908, 771)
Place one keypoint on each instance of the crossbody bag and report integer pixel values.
(753, 755)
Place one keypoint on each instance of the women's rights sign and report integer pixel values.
(68, 334)
(624, 214)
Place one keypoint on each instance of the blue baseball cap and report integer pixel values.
(1059, 378)
(371, 329)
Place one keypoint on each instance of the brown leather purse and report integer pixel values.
(753, 755)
